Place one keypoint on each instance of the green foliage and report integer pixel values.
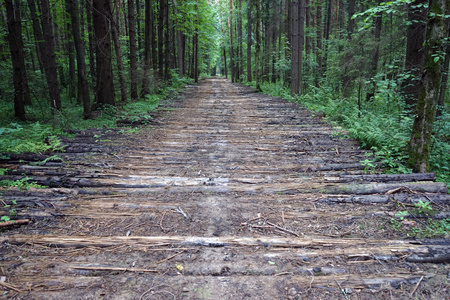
(8, 211)
(22, 184)
(34, 137)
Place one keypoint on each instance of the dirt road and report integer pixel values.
(229, 194)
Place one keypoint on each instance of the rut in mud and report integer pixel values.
(229, 194)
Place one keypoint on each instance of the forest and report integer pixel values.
(378, 69)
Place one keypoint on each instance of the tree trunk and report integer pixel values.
(415, 37)
(375, 54)
(327, 36)
(249, 41)
(241, 54)
(115, 37)
(72, 8)
(351, 21)
(295, 46)
(195, 44)
(92, 49)
(445, 70)
(258, 45)
(70, 52)
(161, 38)
(102, 20)
(167, 43)
(49, 56)
(225, 61)
(179, 43)
(37, 32)
(319, 33)
(17, 58)
(133, 50)
(148, 47)
(308, 24)
(230, 28)
(419, 146)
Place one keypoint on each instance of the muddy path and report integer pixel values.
(227, 194)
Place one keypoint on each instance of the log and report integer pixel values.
(14, 223)
(82, 241)
(99, 268)
(383, 199)
(381, 188)
(386, 178)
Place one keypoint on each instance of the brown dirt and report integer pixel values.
(228, 194)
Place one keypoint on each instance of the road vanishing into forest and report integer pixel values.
(227, 194)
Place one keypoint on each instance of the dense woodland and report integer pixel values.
(378, 68)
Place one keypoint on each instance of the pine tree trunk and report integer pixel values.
(295, 45)
(118, 50)
(92, 48)
(420, 143)
(102, 20)
(258, 45)
(195, 44)
(17, 57)
(415, 37)
(72, 8)
(249, 41)
(133, 50)
(445, 70)
(327, 36)
(319, 33)
(241, 54)
(161, 38)
(49, 56)
(148, 48)
(230, 29)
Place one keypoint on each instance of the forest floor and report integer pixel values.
(228, 194)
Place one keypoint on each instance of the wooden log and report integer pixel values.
(386, 178)
(14, 223)
(381, 188)
(82, 241)
(100, 268)
(383, 199)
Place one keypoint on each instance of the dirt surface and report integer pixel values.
(228, 194)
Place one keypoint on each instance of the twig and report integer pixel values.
(282, 229)
(179, 210)
(415, 288)
(10, 286)
(342, 290)
(170, 257)
(113, 269)
(160, 222)
(14, 222)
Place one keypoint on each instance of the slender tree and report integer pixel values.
(17, 57)
(148, 42)
(133, 50)
(249, 41)
(118, 49)
(102, 16)
(415, 37)
(72, 8)
(420, 143)
(49, 56)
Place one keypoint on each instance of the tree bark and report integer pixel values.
(295, 46)
(230, 28)
(148, 47)
(415, 37)
(327, 36)
(133, 50)
(420, 143)
(258, 45)
(102, 28)
(121, 72)
(161, 38)
(17, 57)
(72, 8)
(241, 54)
(249, 41)
(319, 33)
(49, 56)
(91, 35)
(195, 44)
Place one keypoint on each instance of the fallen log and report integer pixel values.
(82, 241)
(14, 223)
(381, 188)
(386, 178)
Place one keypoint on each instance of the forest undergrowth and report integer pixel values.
(380, 125)
(41, 132)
